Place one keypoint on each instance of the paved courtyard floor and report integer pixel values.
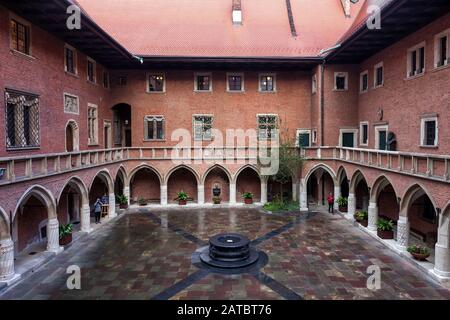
(146, 254)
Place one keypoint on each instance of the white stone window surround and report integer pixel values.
(94, 70)
(341, 74)
(423, 120)
(314, 136)
(13, 16)
(303, 131)
(437, 46)
(348, 130)
(75, 60)
(375, 77)
(416, 49)
(148, 75)
(197, 74)
(260, 115)
(230, 74)
(361, 84)
(274, 79)
(94, 118)
(202, 138)
(378, 128)
(361, 132)
(148, 118)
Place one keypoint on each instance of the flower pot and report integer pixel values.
(182, 202)
(420, 256)
(343, 208)
(123, 206)
(216, 201)
(248, 201)
(65, 240)
(385, 234)
(364, 222)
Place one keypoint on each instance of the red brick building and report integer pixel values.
(106, 108)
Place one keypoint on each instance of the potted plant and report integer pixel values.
(216, 200)
(362, 217)
(343, 204)
(142, 202)
(419, 253)
(248, 197)
(65, 234)
(385, 229)
(122, 200)
(182, 198)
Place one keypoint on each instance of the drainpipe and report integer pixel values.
(140, 59)
(322, 101)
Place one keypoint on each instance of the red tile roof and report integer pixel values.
(203, 28)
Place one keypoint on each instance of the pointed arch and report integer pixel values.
(182, 166)
(380, 183)
(140, 167)
(216, 166)
(122, 171)
(74, 144)
(357, 177)
(250, 166)
(341, 173)
(79, 185)
(324, 167)
(105, 176)
(412, 194)
(42, 194)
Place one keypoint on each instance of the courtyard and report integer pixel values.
(148, 254)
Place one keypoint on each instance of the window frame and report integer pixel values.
(108, 80)
(95, 142)
(348, 130)
(199, 74)
(73, 96)
(314, 136)
(341, 74)
(230, 74)
(423, 121)
(303, 131)
(361, 132)
(437, 46)
(361, 82)
(203, 124)
(154, 118)
(27, 25)
(258, 116)
(267, 74)
(416, 50)
(148, 75)
(377, 128)
(94, 70)
(375, 75)
(75, 60)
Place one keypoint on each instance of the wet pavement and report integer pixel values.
(146, 254)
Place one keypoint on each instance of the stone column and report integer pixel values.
(373, 216)
(232, 193)
(402, 233)
(442, 249)
(201, 194)
(86, 218)
(53, 236)
(164, 195)
(263, 190)
(294, 190)
(112, 205)
(351, 205)
(126, 193)
(303, 196)
(6, 259)
(337, 194)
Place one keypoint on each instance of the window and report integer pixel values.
(122, 81)
(416, 60)
(429, 132)
(202, 82)
(442, 49)
(314, 84)
(91, 71)
(20, 36)
(22, 120)
(267, 126)
(105, 80)
(71, 104)
(381, 133)
(156, 83)
(347, 138)
(364, 133)
(341, 81)
(92, 124)
(70, 57)
(303, 138)
(267, 82)
(364, 81)
(314, 136)
(378, 75)
(154, 127)
(235, 82)
(202, 126)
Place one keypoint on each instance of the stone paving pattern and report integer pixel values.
(145, 255)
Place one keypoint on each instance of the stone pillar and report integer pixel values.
(201, 194)
(365, 203)
(351, 205)
(53, 236)
(402, 233)
(232, 193)
(337, 194)
(373, 216)
(126, 193)
(6, 259)
(164, 195)
(263, 190)
(86, 218)
(303, 196)
(442, 249)
(112, 205)
(294, 190)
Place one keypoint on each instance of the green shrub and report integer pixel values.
(342, 202)
(362, 215)
(142, 201)
(418, 249)
(385, 225)
(182, 195)
(277, 206)
(65, 230)
(122, 199)
(247, 195)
